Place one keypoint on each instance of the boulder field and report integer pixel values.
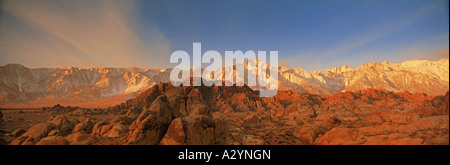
(236, 115)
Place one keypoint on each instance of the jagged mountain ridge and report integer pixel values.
(22, 84)
(423, 76)
(430, 77)
(18, 83)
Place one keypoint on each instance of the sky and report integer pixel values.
(311, 34)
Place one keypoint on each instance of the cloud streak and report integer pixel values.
(382, 31)
(79, 33)
(443, 53)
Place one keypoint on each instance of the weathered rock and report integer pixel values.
(306, 132)
(224, 107)
(63, 124)
(384, 115)
(19, 140)
(374, 118)
(18, 132)
(341, 98)
(193, 130)
(346, 116)
(445, 108)
(125, 120)
(375, 130)
(252, 118)
(252, 140)
(109, 130)
(199, 130)
(405, 141)
(151, 125)
(66, 128)
(106, 128)
(369, 117)
(195, 107)
(398, 118)
(375, 141)
(177, 101)
(96, 130)
(429, 122)
(53, 140)
(59, 121)
(325, 119)
(339, 136)
(412, 117)
(1, 116)
(78, 112)
(54, 133)
(85, 126)
(407, 129)
(34, 134)
(175, 134)
(116, 131)
(439, 141)
(302, 109)
(80, 139)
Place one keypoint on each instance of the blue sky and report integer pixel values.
(311, 34)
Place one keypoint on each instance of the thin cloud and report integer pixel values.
(426, 49)
(79, 33)
(435, 56)
(385, 31)
(443, 53)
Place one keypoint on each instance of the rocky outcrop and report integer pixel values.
(339, 136)
(1, 116)
(63, 124)
(86, 125)
(98, 127)
(34, 134)
(306, 132)
(53, 140)
(198, 128)
(203, 115)
(151, 125)
(116, 131)
(18, 132)
(81, 139)
(441, 103)
(446, 102)
(125, 120)
(111, 130)
(175, 134)
(301, 109)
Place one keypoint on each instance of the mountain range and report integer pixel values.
(101, 87)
